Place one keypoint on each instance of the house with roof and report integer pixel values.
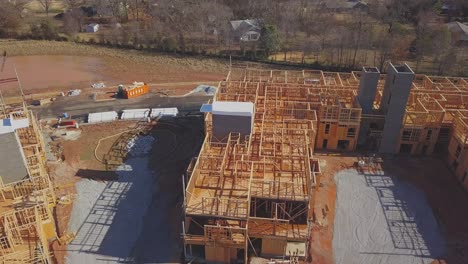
(247, 30)
(459, 33)
(346, 6)
(92, 28)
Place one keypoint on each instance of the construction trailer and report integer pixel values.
(248, 193)
(27, 195)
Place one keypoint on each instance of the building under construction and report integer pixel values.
(248, 193)
(26, 193)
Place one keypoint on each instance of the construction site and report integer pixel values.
(259, 163)
(27, 193)
(249, 191)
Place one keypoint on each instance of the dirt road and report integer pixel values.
(79, 107)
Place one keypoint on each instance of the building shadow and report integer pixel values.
(410, 222)
(114, 221)
(178, 141)
(137, 217)
(97, 175)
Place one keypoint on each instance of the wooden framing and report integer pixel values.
(236, 183)
(258, 188)
(26, 222)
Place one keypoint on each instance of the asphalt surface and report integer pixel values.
(78, 107)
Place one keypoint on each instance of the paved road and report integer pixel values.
(78, 107)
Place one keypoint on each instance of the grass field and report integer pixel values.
(366, 57)
(55, 7)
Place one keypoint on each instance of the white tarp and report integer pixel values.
(160, 112)
(9, 125)
(102, 117)
(135, 114)
(233, 108)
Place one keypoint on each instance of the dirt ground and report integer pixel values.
(45, 66)
(79, 162)
(177, 141)
(323, 204)
(430, 175)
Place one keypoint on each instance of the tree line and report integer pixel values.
(299, 31)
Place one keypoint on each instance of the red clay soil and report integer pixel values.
(323, 204)
(79, 158)
(47, 73)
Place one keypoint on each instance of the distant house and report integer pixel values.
(92, 28)
(346, 6)
(451, 10)
(459, 32)
(246, 30)
(446, 9)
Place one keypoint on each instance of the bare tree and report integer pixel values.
(73, 17)
(108, 8)
(135, 6)
(73, 20)
(179, 18)
(358, 28)
(72, 4)
(10, 19)
(46, 4)
(444, 53)
(422, 44)
(19, 4)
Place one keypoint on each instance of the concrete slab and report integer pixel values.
(12, 166)
(108, 216)
(380, 219)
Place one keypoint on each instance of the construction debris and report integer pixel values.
(203, 90)
(75, 92)
(99, 85)
(140, 145)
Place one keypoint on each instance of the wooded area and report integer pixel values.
(337, 34)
